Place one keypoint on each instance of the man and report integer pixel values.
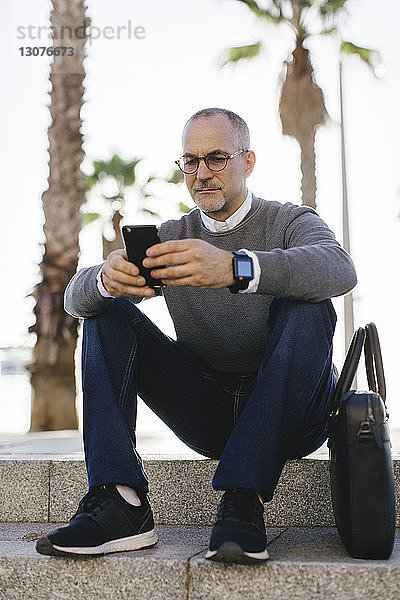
(249, 380)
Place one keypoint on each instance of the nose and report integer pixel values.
(203, 172)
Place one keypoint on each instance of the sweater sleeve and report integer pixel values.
(82, 297)
(312, 266)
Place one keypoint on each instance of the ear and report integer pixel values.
(250, 161)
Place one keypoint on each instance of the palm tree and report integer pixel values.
(122, 174)
(52, 369)
(302, 106)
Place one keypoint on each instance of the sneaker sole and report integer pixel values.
(133, 542)
(230, 552)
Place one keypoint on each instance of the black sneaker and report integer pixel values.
(104, 522)
(238, 534)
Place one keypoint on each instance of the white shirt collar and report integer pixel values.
(232, 221)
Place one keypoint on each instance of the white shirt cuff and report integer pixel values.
(253, 285)
(101, 287)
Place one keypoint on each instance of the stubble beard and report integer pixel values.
(209, 205)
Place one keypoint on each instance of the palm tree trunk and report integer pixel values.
(117, 242)
(308, 179)
(302, 110)
(52, 369)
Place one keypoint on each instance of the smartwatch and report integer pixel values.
(243, 272)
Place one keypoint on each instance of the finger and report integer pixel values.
(123, 278)
(172, 272)
(170, 246)
(117, 278)
(117, 266)
(132, 291)
(119, 263)
(168, 259)
(119, 289)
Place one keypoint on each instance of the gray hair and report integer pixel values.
(239, 126)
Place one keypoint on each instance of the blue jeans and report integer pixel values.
(251, 422)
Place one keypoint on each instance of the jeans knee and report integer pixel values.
(120, 313)
(122, 307)
(302, 311)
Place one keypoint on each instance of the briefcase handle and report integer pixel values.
(349, 368)
(368, 338)
(373, 362)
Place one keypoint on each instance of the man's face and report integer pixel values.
(219, 194)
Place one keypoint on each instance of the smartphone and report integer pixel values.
(137, 239)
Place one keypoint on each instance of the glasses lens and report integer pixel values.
(188, 164)
(216, 162)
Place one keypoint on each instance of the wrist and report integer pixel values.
(242, 272)
(100, 285)
(102, 279)
(229, 279)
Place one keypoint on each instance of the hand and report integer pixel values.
(121, 277)
(190, 262)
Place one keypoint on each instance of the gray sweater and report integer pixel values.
(299, 258)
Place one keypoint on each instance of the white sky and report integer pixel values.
(138, 95)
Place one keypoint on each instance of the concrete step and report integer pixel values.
(45, 489)
(305, 563)
(43, 477)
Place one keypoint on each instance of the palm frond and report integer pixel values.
(175, 177)
(147, 211)
(301, 4)
(328, 31)
(273, 16)
(117, 196)
(123, 171)
(90, 217)
(127, 170)
(331, 7)
(238, 53)
(184, 208)
(371, 57)
(90, 180)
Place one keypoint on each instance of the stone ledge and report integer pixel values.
(180, 491)
(24, 490)
(304, 564)
(158, 573)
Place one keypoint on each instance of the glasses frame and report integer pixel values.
(204, 159)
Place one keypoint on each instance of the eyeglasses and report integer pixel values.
(215, 161)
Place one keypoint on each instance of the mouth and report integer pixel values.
(208, 190)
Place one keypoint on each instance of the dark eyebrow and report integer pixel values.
(218, 151)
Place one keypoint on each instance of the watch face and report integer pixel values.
(244, 268)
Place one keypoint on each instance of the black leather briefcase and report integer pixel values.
(361, 468)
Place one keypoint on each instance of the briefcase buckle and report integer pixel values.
(365, 433)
